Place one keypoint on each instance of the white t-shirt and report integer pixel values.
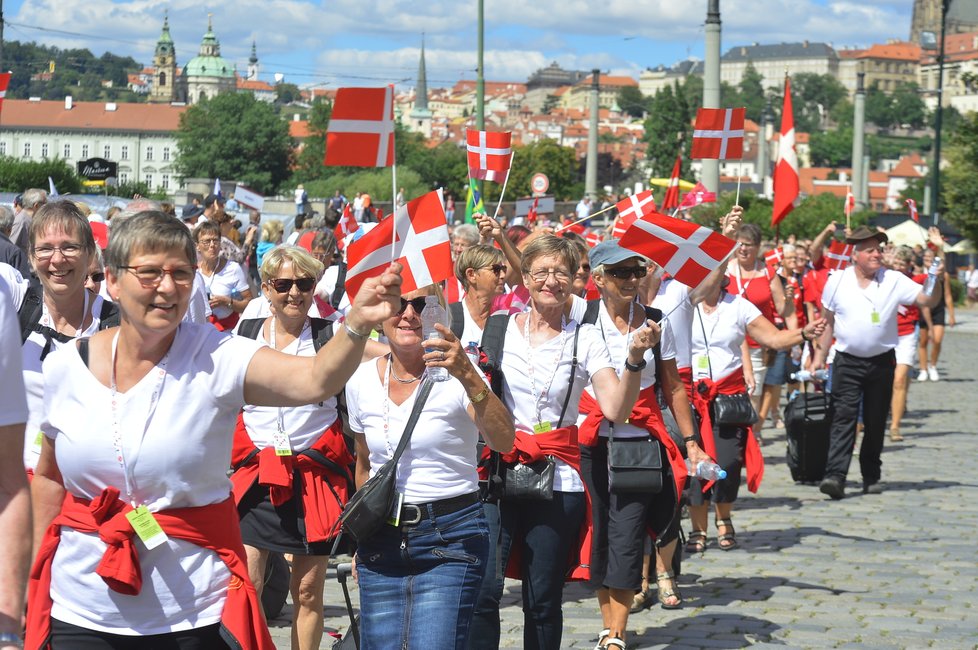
(471, 331)
(725, 330)
(673, 300)
(182, 461)
(34, 377)
(230, 279)
(440, 459)
(972, 282)
(618, 349)
(578, 308)
(551, 377)
(16, 286)
(326, 285)
(199, 309)
(304, 424)
(260, 308)
(13, 401)
(865, 319)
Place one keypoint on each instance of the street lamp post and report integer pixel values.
(936, 187)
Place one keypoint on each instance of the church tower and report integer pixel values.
(420, 116)
(253, 64)
(164, 67)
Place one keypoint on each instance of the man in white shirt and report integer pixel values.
(859, 306)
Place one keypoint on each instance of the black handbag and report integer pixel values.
(734, 410)
(634, 464)
(371, 505)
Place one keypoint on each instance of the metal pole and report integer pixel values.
(859, 141)
(711, 84)
(936, 191)
(762, 162)
(480, 80)
(591, 167)
(1, 35)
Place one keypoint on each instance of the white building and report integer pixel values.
(774, 61)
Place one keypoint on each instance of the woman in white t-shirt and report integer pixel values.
(419, 578)
(228, 291)
(721, 323)
(481, 269)
(132, 479)
(545, 364)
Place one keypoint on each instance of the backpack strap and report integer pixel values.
(573, 372)
(322, 332)
(458, 320)
(30, 312)
(493, 337)
(591, 313)
(340, 289)
(250, 327)
(109, 315)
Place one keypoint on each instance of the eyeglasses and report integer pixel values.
(626, 272)
(417, 302)
(69, 251)
(585, 269)
(497, 268)
(284, 285)
(152, 276)
(206, 243)
(541, 275)
(96, 277)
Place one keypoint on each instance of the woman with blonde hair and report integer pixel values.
(481, 270)
(271, 236)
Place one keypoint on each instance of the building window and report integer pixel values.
(44, 150)
(166, 154)
(107, 151)
(149, 153)
(148, 179)
(124, 152)
(67, 151)
(3, 148)
(123, 177)
(27, 150)
(84, 152)
(165, 182)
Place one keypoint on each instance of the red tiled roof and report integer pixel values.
(905, 169)
(89, 116)
(893, 52)
(299, 129)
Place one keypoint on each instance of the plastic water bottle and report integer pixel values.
(931, 280)
(706, 470)
(472, 352)
(804, 375)
(433, 313)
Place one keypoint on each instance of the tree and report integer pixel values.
(286, 93)
(309, 162)
(751, 92)
(549, 104)
(234, 136)
(813, 97)
(879, 107)
(831, 148)
(546, 156)
(632, 102)
(610, 171)
(18, 175)
(960, 186)
(667, 128)
(908, 106)
(805, 221)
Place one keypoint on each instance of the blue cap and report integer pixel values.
(610, 252)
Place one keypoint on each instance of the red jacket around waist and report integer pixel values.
(213, 527)
(324, 489)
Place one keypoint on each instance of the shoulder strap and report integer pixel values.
(493, 337)
(573, 372)
(83, 350)
(29, 313)
(591, 313)
(655, 315)
(340, 287)
(109, 315)
(250, 327)
(322, 332)
(423, 392)
(458, 320)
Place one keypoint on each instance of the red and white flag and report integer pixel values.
(347, 225)
(774, 256)
(489, 154)
(850, 205)
(631, 208)
(422, 246)
(912, 206)
(4, 82)
(593, 239)
(531, 214)
(697, 196)
(361, 128)
(686, 251)
(838, 255)
(786, 186)
(718, 134)
(671, 200)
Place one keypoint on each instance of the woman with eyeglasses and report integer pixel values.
(288, 496)
(136, 534)
(96, 273)
(546, 361)
(419, 578)
(61, 252)
(227, 286)
(481, 269)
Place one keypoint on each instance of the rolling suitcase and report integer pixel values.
(350, 640)
(807, 418)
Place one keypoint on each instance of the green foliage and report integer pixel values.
(18, 175)
(545, 156)
(813, 96)
(692, 90)
(667, 128)
(549, 104)
(374, 181)
(831, 148)
(132, 188)
(234, 136)
(960, 179)
(610, 171)
(749, 93)
(632, 102)
(286, 93)
(77, 72)
(309, 162)
(903, 107)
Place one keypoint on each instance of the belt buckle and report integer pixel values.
(415, 519)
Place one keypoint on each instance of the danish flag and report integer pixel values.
(347, 225)
(774, 256)
(4, 82)
(593, 239)
(489, 154)
(422, 246)
(697, 196)
(912, 206)
(531, 214)
(671, 200)
(688, 252)
(718, 134)
(634, 207)
(837, 257)
(850, 203)
(361, 128)
(786, 183)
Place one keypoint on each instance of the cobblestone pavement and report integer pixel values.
(896, 570)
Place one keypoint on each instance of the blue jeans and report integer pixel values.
(548, 529)
(418, 584)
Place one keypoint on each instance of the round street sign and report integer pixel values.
(539, 183)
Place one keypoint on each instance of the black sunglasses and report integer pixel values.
(497, 268)
(625, 272)
(97, 277)
(284, 285)
(417, 303)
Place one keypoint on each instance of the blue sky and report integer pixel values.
(371, 42)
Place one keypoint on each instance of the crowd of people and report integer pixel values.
(193, 396)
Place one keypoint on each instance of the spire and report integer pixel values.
(421, 94)
(253, 59)
(209, 45)
(253, 63)
(165, 34)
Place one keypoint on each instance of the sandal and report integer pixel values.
(642, 599)
(696, 543)
(727, 542)
(616, 642)
(668, 592)
(602, 635)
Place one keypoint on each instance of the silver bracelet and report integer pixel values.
(9, 638)
(355, 334)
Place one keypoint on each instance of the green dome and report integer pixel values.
(208, 66)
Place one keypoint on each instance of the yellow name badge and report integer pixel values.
(702, 362)
(283, 446)
(146, 527)
(394, 516)
(542, 427)
(875, 317)
(38, 439)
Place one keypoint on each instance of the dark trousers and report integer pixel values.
(856, 380)
(71, 637)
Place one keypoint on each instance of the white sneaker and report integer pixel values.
(932, 373)
(923, 375)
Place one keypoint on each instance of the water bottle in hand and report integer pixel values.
(706, 470)
(931, 276)
(433, 313)
(472, 352)
(804, 375)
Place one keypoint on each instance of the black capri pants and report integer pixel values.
(731, 443)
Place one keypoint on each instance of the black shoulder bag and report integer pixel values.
(728, 410)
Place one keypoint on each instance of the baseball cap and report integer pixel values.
(610, 252)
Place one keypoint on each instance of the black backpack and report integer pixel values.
(322, 330)
(32, 307)
(340, 289)
(651, 313)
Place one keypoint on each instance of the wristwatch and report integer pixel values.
(9, 638)
(480, 396)
(636, 367)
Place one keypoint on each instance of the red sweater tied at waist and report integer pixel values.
(560, 443)
(324, 489)
(704, 391)
(213, 527)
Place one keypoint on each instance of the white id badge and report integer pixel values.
(282, 444)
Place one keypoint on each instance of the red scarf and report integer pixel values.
(732, 384)
(213, 527)
(225, 324)
(321, 507)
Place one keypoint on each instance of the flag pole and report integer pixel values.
(590, 216)
(393, 210)
(737, 200)
(502, 194)
(848, 210)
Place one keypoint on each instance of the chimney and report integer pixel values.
(111, 107)
(743, 51)
(805, 44)
(68, 102)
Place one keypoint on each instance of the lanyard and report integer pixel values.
(160, 372)
(865, 292)
(46, 316)
(539, 397)
(280, 413)
(741, 287)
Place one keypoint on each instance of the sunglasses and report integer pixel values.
(284, 285)
(624, 273)
(97, 277)
(417, 303)
(497, 268)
